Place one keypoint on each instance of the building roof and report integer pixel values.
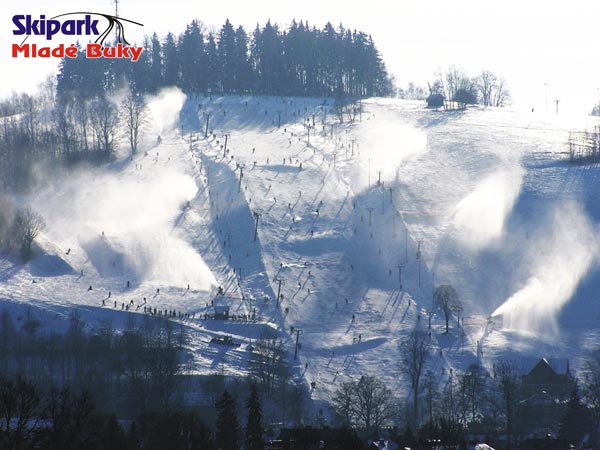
(560, 366)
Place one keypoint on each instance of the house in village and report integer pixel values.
(546, 385)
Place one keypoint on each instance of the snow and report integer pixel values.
(498, 210)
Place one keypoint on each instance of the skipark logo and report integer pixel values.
(81, 24)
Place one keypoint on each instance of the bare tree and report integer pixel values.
(366, 403)
(492, 89)
(501, 95)
(485, 82)
(508, 383)
(446, 299)
(375, 403)
(415, 351)
(104, 120)
(268, 361)
(135, 114)
(27, 226)
(343, 402)
(19, 406)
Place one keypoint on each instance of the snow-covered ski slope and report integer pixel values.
(488, 196)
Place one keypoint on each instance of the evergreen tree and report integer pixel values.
(170, 61)
(576, 421)
(227, 423)
(227, 53)
(254, 433)
(212, 64)
(193, 59)
(156, 65)
(242, 67)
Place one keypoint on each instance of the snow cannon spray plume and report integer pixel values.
(564, 253)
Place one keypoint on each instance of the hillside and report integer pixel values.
(488, 196)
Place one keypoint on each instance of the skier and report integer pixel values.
(90, 288)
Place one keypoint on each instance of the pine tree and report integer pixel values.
(576, 421)
(212, 64)
(192, 58)
(254, 436)
(226, 51)
(227, 423)
(156, 65)
(243, 70)
(171, 61)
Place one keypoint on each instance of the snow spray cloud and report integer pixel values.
(480, 216)
(564, 252)
(136, 217)
(136, 210)
(164, 108)
(385, 143)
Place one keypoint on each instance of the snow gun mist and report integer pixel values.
(555, 265)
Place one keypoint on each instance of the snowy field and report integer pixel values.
(488, 196)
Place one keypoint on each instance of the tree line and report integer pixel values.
(451, 404)
(455, 85)
(302, 60)
(32, 417)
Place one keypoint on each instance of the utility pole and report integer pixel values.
(557, 102)
(225, 147)
(256, 216)
(399, 267)
(117, 27)
(298, 331)
(241, 176)
(418, 257)
(280, 280)
(391, 199)
(278, 118)
(432, 290)
(462, 336)
(406, 243)
(360, 109)
(206, 129)
(379, 172)
(370, 209)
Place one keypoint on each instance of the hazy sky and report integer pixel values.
(531, 43)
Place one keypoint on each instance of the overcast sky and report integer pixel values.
(532, 43)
